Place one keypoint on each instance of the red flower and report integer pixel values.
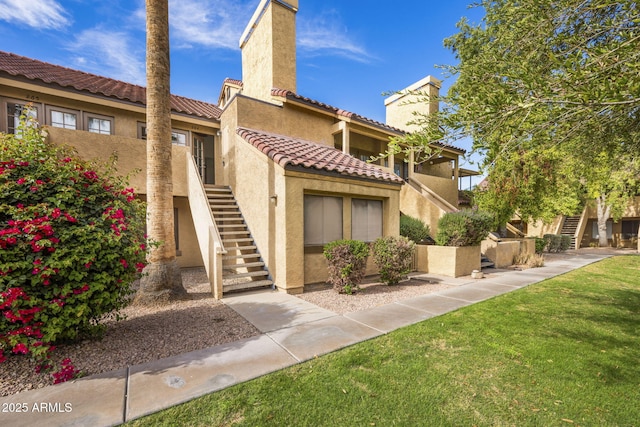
(20, 348)
(124, 263)
(21, 181)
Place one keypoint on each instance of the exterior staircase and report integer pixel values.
(569, 227)
(243, 267)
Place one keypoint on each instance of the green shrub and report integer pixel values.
(463, 228)
(71, 243)
(413, 228)
(347, 262)
(557, 242)
(541, 244)
(393, 256)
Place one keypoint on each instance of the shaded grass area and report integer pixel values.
(565, 351)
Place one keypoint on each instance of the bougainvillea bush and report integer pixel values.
(71, 243)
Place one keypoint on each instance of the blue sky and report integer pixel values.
(349, 53)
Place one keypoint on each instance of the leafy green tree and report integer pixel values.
(549, 91)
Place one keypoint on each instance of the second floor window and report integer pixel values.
(15, 111)
(100, 124)
(63, 119)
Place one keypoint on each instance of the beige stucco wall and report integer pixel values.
(287, 119)
(500, 253)
(188, 250)
(413, 204)
(453, 261)
(539, 229)
(400, 107)
(130, 152)
(447, 188)
(268, 56)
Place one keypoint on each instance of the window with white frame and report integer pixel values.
(366, 219)
(62, 117)
(99, 124)
(322, 219)
(17, 109)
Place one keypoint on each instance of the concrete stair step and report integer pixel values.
(240, 240)
(240, 248)
(246, 285)
(260, 273)
(240, 256)
(235, 233)
(234, 207)
(217, 214)
(245, 265)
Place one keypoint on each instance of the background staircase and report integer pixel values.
(569, 227)
(243, 267)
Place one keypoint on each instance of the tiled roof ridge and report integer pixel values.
(292, 151)
(233, 81)
(96, 84)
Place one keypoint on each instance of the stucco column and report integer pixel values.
(345, 137)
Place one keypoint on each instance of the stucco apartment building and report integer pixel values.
(263, 179)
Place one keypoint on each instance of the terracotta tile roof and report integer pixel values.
(291, 152)
(44, 72)
(233, 82)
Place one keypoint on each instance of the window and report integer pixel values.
(62, 118)
(630, 229)
(178, 137)
(400, 168)
(322, 219)
(366, 219)
(15, 110)
(99, 124)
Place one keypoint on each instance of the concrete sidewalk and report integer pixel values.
(293, 331)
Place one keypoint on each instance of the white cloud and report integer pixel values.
(325, 35)
(39, 14)
(113, 54)
(208, 23)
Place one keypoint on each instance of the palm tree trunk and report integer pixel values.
(162, 280)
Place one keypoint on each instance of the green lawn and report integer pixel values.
(562, 352)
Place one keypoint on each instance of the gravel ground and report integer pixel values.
(371, 294)
(147, 334)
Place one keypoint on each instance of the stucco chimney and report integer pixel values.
(400, 106)
(269, 49)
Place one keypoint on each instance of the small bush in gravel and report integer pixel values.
(71, 243)
(464, 228)
(557, 242)
(393, 256)
(413, 228)
(347, 261)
